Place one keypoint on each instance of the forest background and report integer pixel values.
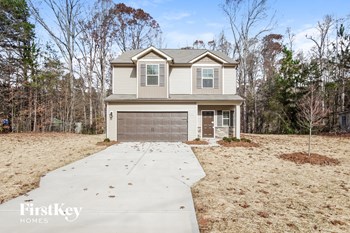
(52, 85)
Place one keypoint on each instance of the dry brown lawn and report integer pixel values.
(247, 189)
(251, 189)
(25, 157)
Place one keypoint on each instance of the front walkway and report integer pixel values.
(128, 188)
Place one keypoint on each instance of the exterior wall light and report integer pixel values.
(110, 115)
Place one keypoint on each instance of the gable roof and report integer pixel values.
(148, 50)
(178, 56)
(207, 53)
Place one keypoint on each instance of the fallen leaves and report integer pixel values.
(263, 214)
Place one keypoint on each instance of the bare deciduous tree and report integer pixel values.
(321, 47)
(311, 112)
(244, 18)
(66, 15)
(136, 28)
(221, 44)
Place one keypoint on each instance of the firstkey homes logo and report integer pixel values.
(40, 214)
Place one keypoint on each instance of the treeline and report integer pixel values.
(46, 87)
(287, 91)
(51, 87)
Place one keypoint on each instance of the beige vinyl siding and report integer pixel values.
(230, 81)
(206, 60)
(153, 91)
(191, 109)
(196, 90)
(180, 80)
(124, 80)
(111, 123)
(151, 55)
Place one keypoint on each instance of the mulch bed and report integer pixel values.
(313, 159)
(237, 144)
(194, 142)
(107, 143)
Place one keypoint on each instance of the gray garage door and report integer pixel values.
(152, 126)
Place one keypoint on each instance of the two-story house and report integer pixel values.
(173, 95)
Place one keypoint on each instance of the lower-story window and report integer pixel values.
(226, 118)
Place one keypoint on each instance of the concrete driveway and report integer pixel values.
(129, 187)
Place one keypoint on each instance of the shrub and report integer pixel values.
(107, 140)
(234, 139)
(197, 139)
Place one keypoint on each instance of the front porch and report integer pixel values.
(218, 121)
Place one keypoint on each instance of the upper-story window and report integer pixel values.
(207, 77)
(152, 78)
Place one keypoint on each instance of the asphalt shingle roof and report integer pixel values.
(180, 56)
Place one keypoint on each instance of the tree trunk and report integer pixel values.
(72, 94)
(35, 110)
(103, 81)
(309, 147)
(51, 115)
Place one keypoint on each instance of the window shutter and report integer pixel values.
(161, 75)
(216, 78)
(219, 118)
(199, 78)
(143, 75)
(231, 118)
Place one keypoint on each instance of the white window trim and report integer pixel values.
(229, 118)
(152, 85)
(207, 78)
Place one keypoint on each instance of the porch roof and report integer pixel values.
(176, 98)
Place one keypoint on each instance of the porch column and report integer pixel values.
(238, 122)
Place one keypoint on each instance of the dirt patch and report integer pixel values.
(195, 142)
(314, 159)
(26, 157)
(250, 189)
(237, 144)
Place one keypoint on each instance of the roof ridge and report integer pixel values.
(178, 55)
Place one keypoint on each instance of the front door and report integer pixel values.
(208, 124)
